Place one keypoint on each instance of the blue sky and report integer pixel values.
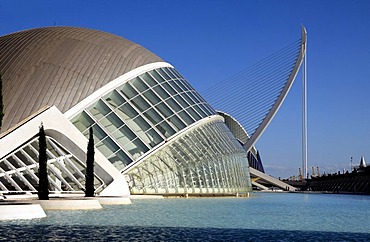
(208, 41)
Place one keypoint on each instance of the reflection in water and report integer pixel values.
(124, 233)
(264, 216)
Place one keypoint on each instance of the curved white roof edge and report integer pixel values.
(270, 115)
(116, 183)
(241, 126)
(112, 85)
(173, 139)
(236, 121)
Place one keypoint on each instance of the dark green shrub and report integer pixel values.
(43, 189)
(89, 185)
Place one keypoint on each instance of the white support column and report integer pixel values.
(304, 117)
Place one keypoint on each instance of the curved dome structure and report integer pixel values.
(61, 66)
(153, 132)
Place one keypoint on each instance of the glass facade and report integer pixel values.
(142, 113)
(206, 160)
(19, 170)
(137, 124)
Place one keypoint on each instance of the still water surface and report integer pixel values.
(262, 217)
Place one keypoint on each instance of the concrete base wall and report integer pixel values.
(71, 204)
(146, 197)
(114, 200)
(21, 211)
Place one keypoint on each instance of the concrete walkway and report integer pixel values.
(11, 211)
(272, 180)
(28, 206)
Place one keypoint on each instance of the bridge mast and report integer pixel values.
(304, 116)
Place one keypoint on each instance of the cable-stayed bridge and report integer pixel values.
(253, 96)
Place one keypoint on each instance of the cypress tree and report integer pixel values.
(43, 189)
(89, 183)
(1, 102)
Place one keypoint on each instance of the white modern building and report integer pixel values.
(154, 134)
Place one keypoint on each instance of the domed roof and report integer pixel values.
(61, 66)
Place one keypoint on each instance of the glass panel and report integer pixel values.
(99, 109)
(183, 87)
(208, 109)
(111, 122)
(186, 117)
(152, 97)
(165, 129)
(162, 93)
(177, 122)
(200, 111)
(107, 147)
(174, 85)
(181, 101)
(136, 148)
(114, 99)
(139, 84)
(141, 146)
(199, 96)
(154, 137)
(165, 76)
(159, 78)
(177, 73)
(193, 97)
(140, 103)
(174, 105)
(153, 116)
(123, 135)
(128, 91)
(165, 111)
(98, 133)
(193, 113)
(187, 98)
(169, 88)
(127, 112)
(123, 157)
(83, 121)
(186, 84)
(168, 72)
(120, 160)
(144, 126)
(149, 80)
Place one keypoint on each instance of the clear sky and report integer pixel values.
(210, 40)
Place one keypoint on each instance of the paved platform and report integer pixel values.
(68, 204)
(146, 197)
(114, 200)
(11, 211)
